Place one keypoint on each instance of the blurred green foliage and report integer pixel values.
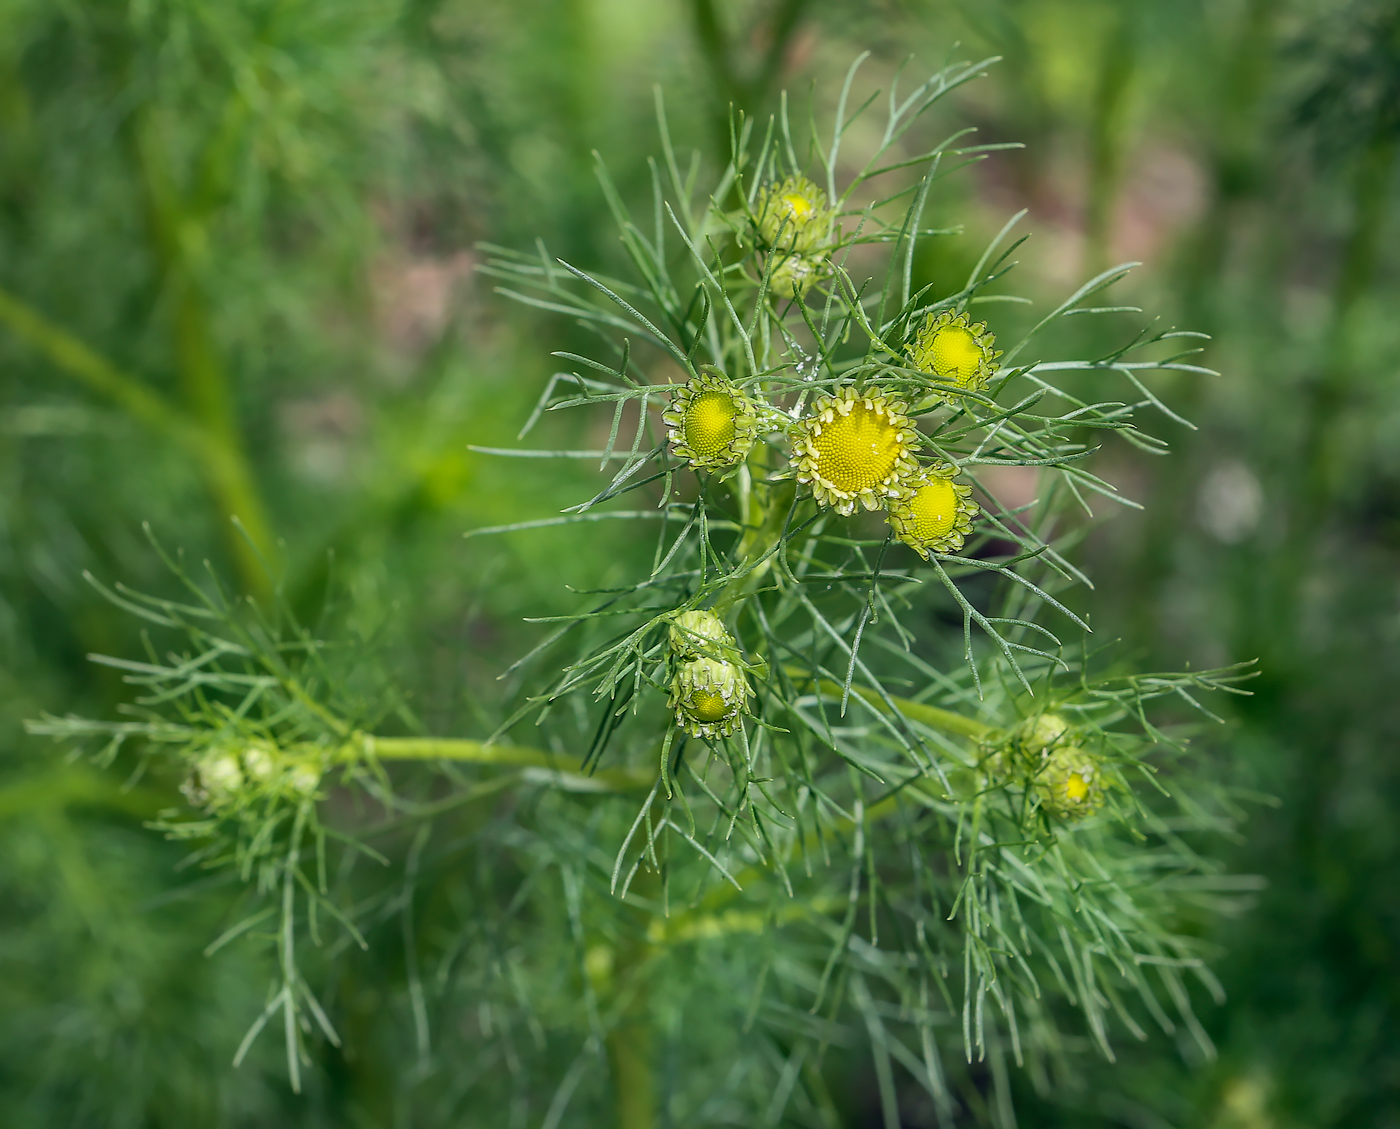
(236, 243)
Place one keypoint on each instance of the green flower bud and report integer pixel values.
(956, 350)
(794, 216)
(799, 272)
(216, 780)
(1071, 784)
(696, 633)
(708, 696)
(1043, 733)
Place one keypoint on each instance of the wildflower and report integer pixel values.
(934, 514)
(855, 447)
(1070, 784)
(794, 215)
(708, 695)
(696, 633)
(796, 274)
(1042, 733)
(215, 781)
(712, 421)
(303, 778)
(260, 763)
(955, 350)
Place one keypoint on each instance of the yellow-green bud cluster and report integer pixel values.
(227, 776)
(795, 275)
(708, 689)
(861, 449)
(793, 221)
(1049, 755)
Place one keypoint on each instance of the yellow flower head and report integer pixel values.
(1070, 783)
(955, 350)
(934, 514)
(794, 216)
(712, 422)
(708, 696)
(855, 447)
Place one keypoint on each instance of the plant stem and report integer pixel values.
(177, 235)
(629, 1047)
(558, 768)
(945, 721)
(223, 467)
(767, 517)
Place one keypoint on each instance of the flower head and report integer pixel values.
(1070, 782)
(796, 273)
(934, 514)
(696, 633)
(708, 696)
(794, 215)
(955, 350)
(1042, 733)
(855, 447)
(712, 422)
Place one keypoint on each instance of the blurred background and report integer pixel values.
(237, 243)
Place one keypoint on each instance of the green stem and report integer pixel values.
(1105, 139)
(945, 721)
(223, 467)
(559, 768)
(178, 237)
(629, 1047)
(761, 535)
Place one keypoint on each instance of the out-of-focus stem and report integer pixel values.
(1105, 139)
(203, 379)
(1333, 393)
(222, 466)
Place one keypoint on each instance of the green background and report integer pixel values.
(236, 273)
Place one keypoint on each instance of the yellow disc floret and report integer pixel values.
(708, 696)
(955, 350)
(793, 216)
(934, 513)
(711, 422)
(709, 425)
(855, 448)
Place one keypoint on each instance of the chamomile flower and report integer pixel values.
(712, 422)
(794, 216)
(855, 447)
(956, 350)
(1070, 783)
(934, 513)
(708, 696)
